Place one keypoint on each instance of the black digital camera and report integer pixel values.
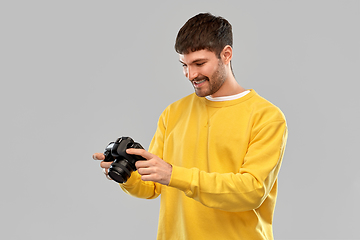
(123, 164)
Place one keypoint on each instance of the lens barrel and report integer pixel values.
(120, 171)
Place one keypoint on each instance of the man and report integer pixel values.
(216, 154)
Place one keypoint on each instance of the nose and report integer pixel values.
(190, 73)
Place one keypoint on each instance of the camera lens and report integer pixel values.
(120, 171)
(123, 164)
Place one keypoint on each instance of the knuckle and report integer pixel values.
(153, 162)
(157, 177)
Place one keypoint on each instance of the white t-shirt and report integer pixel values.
(227, 98)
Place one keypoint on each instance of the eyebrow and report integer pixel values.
(195, 61)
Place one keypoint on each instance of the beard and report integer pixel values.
(213, 83)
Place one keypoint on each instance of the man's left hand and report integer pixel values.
(153, 169)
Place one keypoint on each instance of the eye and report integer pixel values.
(200, 64)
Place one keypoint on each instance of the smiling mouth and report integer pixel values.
(198, 83)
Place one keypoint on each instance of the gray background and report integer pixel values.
(76, 75)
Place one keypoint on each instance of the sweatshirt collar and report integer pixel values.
(226, 101)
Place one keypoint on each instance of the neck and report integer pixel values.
(229, 87)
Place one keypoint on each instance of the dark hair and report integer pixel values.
(204, 31)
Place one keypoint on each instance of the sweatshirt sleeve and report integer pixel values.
(246, 189)
(141, 189)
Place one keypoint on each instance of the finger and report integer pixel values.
(106, 172)
(105, 164)
(141, 152)
(98, 156)
(144, 171)
(143, 164)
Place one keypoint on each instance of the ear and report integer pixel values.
(226, 54)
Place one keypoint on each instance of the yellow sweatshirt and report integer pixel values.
(226, 157)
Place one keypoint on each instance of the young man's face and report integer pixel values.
(205, 71)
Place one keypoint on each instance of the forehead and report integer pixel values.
(197, 55)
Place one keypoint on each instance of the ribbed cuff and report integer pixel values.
(181, 178)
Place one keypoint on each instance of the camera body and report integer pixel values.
(123, 164)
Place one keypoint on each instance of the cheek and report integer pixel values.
(209, 71)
